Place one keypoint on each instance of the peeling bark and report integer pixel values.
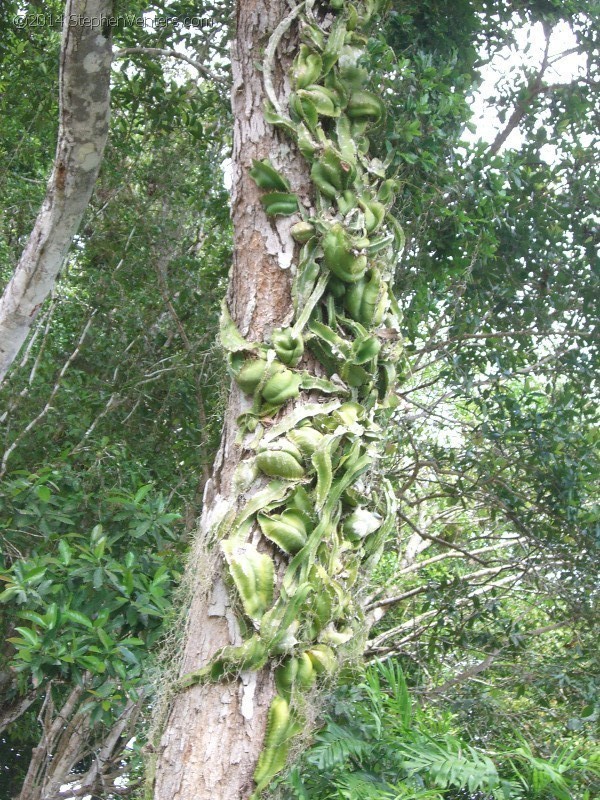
(214, 732)
(83, 130)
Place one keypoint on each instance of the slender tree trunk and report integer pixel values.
(84, 113)
(214, 732)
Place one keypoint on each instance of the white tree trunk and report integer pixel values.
(214, 732)
(83, 129)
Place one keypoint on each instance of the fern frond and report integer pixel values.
(447, 763)
(335, 745)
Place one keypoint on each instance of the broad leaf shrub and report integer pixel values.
(85, 600)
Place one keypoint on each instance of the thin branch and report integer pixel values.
(9, 451)
(38, 358)
(17, 709)
(395, 599)
(437, 539)
(469, 673)
(113, 401)
(158, 51)
(476, 669)
(389, 601)
(160, 269)
(470, 336)
(111, 748)
(374, 644)
(571, 51)
(380, 608)
(521, 109)
(457, 554)
(43, 322)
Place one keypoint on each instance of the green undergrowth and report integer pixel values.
(377, 744)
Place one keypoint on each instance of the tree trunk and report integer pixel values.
(84, 113)
(214, 732)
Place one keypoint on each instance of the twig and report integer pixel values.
(437, 539)
(456, 554)
(9, 451)
(394, 600)
(374, 644)
(158, 51)
(164, 291)
(11, 713)
(520, 109)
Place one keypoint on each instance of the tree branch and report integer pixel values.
(481, 666)
(164, 53)
(374, 645)
(11, 713)
(437, 539)
(9, 451)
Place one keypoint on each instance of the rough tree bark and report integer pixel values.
(214, 732)
(83, 130)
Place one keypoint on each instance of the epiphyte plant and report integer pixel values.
(317, 512)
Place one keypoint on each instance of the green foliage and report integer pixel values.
(87, 602)
(375, 745)
(498, 286)
(93, 509)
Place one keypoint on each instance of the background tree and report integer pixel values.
(84, 99)
(104, 383)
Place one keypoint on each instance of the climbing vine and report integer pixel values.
(324, 505)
